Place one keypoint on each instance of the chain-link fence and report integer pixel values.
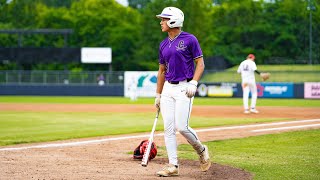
(61, 77)
(117, 77)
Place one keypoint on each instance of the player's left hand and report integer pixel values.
(191, 88)
(157, 101)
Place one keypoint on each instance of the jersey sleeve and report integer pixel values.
(195, 48)
(254, 66)
(161, 59)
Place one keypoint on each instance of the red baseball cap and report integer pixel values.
(251, 56)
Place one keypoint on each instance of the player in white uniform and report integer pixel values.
(176, 86)
(247, 69)
(133, 89)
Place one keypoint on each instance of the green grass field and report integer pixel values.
(291, 155)
(121, 100)
(25, 127)
(279, 73)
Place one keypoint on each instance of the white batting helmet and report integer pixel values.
(175, 15)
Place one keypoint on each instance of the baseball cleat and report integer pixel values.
(246, 111)
(204, 158)
(169, 170)
(253, 110)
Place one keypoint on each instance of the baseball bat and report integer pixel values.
(146, 154)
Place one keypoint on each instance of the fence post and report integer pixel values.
(6, 77)
(45, 77)
(19, 77)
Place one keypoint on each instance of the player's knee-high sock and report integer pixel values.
(246, 97)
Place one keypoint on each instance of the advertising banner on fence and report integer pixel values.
(217, 90)
(265, 90)
(275, 90)
(140, 83)
(144, 83)
(312, 90)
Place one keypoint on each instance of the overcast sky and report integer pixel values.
(123, 2)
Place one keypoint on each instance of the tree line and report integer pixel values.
(278, 29)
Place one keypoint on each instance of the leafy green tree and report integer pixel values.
(234, 22)
(266, 29)
(96, 23)
(55, 3)
(105, 23)
(138, 4)
(228, 28)
(21, 13)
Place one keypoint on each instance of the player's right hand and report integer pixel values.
(157, 101)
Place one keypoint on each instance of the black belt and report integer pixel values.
(177, 82)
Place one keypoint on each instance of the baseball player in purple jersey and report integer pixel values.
(180, 67)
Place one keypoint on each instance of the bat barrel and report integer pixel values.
(145, 158)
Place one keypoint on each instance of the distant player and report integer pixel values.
(133, 89)
(100, 80)
(176, 86)
(247, 69)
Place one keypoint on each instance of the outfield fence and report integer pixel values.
(60, 77)
(282, 84)
(117, 77)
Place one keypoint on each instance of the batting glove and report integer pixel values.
(192, 88)
(157, 100)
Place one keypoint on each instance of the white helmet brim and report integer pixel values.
(164, 16)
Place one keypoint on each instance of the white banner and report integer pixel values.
(96, 55)
(140, 83)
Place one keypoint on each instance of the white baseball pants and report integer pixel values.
(246, 88)
(176, 110)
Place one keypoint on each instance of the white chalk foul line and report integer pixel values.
(73, 143)
(257, 125)
(78, 143)
(283, 128)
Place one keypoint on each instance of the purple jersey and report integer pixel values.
(178, 56)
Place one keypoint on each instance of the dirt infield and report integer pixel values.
(203, 111)
(111, 158)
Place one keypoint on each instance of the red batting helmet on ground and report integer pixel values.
(140, 150)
